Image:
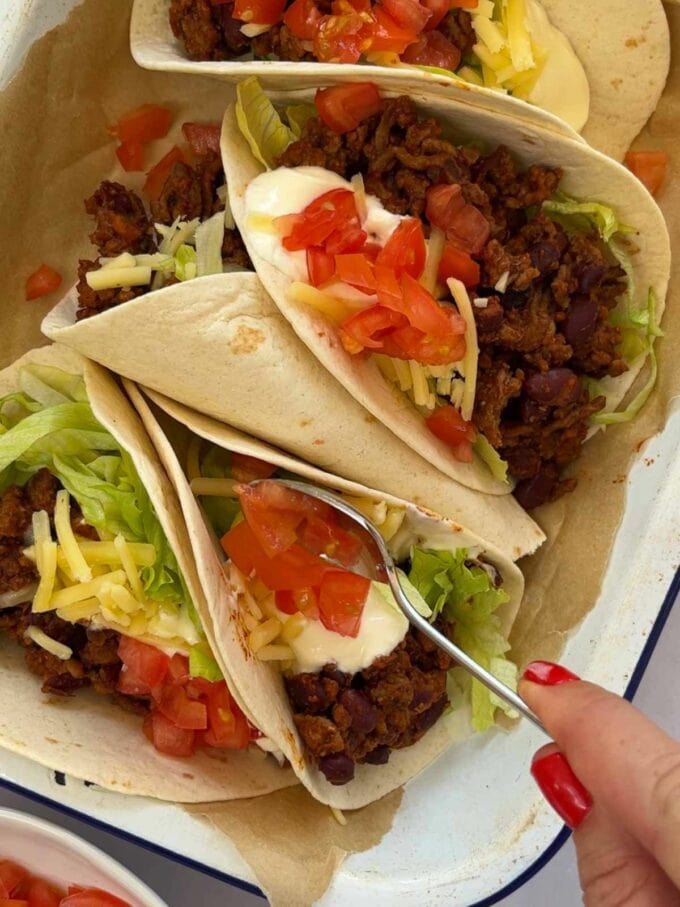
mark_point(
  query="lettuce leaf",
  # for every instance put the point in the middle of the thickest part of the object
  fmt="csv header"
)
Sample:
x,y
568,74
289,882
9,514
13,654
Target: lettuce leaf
x,y
260,124
209,237
464,594
221,512
67,439
297,116
203,664
584,216
497,465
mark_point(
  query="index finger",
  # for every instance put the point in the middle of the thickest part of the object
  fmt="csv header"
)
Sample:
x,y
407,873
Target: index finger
x,y
627,763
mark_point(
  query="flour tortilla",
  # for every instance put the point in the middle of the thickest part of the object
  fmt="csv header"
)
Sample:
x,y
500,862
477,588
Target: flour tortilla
x,y
219,345
624,48
259,685
588,175
88,736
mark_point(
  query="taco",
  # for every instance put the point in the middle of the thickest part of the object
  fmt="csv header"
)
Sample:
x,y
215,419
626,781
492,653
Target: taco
x,y
557,62
355,699
487,290
100,599
137,308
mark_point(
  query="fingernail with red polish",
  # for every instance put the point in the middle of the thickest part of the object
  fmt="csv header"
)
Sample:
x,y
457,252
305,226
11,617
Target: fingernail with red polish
x,y
547,673
561,788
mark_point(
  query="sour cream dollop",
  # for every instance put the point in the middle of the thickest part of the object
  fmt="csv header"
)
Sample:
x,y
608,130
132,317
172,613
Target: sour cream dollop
x,y
383,627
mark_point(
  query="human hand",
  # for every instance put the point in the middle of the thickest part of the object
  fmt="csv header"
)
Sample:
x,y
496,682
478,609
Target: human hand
x,y
614,777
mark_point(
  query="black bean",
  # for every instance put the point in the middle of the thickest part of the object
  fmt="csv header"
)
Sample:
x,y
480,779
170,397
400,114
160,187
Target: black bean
x,y
425,720
556,386
545,256
338,768
589,275
331,670
535,491
379,756
363,714
307,692
422,696
581,320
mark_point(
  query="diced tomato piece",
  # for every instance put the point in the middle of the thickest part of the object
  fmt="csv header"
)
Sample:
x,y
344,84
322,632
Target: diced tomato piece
x,y
349,238
227,725
366,329
130,685
156,177
184,712
442,203
343,38
405,249
293,569
456,263
274,513
649,167
334,210
438,9
446,208
258,12
42,894
43,281
447,424
11,876
426,314
93,897
285,601
305,600
388,289
246,469
409,14
167,737
146,664
343,107
388,36
303,18
320,266
142,125
323,537
178,669
131,156
356,270
12,902
433,49
341,601
410,343
202,137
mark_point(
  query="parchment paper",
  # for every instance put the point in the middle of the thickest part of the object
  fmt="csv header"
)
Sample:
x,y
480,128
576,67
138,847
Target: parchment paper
x,y
53,118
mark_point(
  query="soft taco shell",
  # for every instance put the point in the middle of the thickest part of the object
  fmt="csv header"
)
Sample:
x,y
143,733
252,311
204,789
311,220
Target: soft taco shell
x,y
588,175
88,736
261,687
219,345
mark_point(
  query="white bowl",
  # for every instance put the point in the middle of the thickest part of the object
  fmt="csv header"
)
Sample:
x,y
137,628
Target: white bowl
x,y
64,858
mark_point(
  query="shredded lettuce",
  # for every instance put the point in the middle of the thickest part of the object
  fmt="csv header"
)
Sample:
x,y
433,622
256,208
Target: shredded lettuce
x,y
209,237
185,263
497,465
66,438
297,115
465,595
259,122
202,663
221,512
583,216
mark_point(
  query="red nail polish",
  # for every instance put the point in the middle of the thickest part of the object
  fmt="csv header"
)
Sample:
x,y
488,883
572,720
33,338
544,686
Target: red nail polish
x,y
561,788
547,674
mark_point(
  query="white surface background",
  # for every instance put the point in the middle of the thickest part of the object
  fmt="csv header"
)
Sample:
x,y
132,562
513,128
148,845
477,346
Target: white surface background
x,y
556,884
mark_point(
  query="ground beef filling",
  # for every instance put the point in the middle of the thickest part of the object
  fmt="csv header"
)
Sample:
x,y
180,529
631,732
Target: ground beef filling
x,y
346,719
541,337
95,661
207,31
122,224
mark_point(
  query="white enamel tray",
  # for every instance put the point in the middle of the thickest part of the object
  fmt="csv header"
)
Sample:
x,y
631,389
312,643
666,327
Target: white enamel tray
x,y
473,828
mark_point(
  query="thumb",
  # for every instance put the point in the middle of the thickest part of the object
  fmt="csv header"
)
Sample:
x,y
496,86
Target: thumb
x,y
629,765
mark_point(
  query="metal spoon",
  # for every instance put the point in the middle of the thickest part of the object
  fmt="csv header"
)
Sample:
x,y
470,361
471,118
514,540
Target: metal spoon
x,y
388,569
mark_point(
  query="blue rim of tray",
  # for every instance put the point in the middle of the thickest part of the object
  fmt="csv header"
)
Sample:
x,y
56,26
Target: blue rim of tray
x,y
488,901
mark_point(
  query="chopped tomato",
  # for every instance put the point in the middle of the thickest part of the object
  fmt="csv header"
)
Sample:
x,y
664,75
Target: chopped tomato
x,y
447,424
341,601
11,876
409,14
446,208
142,125
426,314
356,270
303,18
405,249
11,902
178,669
184,713
156,177
649,167
442,203
41,282
146,664
333,212
456,263
167,737
130,685
321,536
438,9
93,897
247,469
202,137
343,107
433,49
285,601
305,600
41,894
293,569
366,329
388,36
228,727
274,513
131,156
258,12
320,266
342,39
